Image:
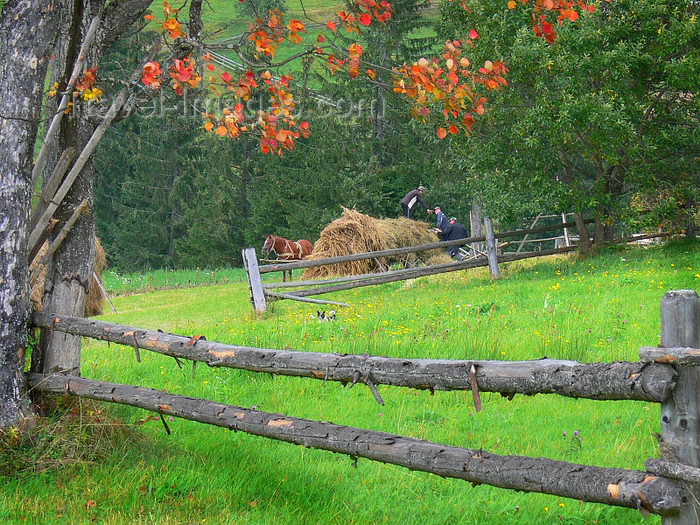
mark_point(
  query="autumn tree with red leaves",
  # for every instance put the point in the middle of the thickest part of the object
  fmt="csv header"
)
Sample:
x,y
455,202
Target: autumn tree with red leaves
x,y
447,91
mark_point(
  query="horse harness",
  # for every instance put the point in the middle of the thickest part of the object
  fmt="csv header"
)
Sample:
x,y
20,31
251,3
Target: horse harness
x,y
287,248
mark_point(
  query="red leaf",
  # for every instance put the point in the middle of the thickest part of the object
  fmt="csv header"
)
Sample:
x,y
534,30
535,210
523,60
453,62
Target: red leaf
x,y
366,19
332,26
226,77
473,34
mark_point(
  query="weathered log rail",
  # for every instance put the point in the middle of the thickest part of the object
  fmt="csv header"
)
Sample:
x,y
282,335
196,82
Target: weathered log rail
x,y
612,486
408,249
669,375
260,292
651,382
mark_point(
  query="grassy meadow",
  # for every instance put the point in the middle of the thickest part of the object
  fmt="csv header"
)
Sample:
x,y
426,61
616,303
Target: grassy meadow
x,y
127,469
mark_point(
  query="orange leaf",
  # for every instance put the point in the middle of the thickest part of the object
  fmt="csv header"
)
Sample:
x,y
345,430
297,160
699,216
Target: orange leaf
x,y
512,4
454,129
221,131
209,125
332,26
149,17
441,133
473,34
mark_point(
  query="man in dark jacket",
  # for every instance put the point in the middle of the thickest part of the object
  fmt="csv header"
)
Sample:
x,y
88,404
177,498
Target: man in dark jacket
x,y
442,222
454,231
410,202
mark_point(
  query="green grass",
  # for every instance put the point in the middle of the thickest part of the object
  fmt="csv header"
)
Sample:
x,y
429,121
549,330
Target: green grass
x,y
597,309
122,284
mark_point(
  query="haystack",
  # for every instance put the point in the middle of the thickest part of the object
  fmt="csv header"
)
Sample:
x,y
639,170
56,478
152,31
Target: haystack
x,y
95,300
407,232
355,232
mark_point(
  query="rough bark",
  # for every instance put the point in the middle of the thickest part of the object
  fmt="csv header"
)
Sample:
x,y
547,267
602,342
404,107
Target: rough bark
x,y
583,235
26,37
69,275
620,380
476,223
680,414
691,226
673,470
612,486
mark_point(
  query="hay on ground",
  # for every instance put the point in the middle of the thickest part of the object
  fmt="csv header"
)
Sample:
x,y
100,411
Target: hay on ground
x,y
355,232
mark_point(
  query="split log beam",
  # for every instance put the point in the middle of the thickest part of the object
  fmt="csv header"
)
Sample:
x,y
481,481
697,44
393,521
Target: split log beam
x,y
491,249
413,273
56,243
603,381
408,249
52,185
89,148
65,99
541,229
673,470
277,295
255,287
612,486
312,263
405,250
34,250
674,356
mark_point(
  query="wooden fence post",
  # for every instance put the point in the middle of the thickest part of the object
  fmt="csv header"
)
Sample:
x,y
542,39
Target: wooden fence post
x,y
491,249
680,415
257,294
567,240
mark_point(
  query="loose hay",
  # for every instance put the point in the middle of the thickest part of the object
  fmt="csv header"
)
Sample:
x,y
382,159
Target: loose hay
x,y
95,301
407,232
355,232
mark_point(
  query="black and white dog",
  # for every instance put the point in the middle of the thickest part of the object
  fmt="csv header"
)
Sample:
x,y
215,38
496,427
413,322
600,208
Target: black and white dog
x,y
323,316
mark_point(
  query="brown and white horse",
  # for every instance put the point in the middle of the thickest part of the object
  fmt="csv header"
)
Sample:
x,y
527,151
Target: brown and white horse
x,y
287,250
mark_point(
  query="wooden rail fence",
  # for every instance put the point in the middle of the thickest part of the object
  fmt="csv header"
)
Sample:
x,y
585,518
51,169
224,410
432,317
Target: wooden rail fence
x,y
668,375
260,292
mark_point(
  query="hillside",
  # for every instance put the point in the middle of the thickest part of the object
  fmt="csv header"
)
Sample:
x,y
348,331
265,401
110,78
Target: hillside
x,y
597,309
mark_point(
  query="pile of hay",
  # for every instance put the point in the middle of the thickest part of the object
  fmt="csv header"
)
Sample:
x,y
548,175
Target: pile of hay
x,y
355,232
407,232
94,304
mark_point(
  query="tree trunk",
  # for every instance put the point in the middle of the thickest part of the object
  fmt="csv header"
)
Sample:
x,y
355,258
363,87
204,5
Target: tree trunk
x,y
27,32
691,227
584,238
69,274
476,224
